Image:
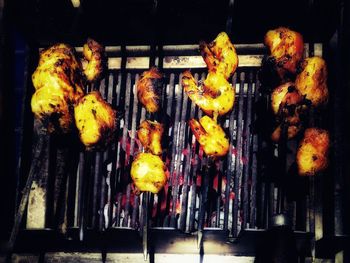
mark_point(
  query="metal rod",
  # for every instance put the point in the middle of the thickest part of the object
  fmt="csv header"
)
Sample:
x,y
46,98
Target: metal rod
x,y
203,196
116,178
171,134
270,202
282,155
230,161
135,211
113,90
134,116
253,192
194,165
238,163
96,189
179,139
125,146
229,17
81,195
101,225
218,198
312,216
145,227
119,208
72,188
36,165
247,144
102,88
209,166
187,167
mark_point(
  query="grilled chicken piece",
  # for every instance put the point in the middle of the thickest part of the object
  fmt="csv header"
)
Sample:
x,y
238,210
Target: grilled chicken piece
x,y
95,120
312,155
292,131
312,81
94,60
149,89
283,96
215,97
58,85
220,55
148,172
286,49
150,135
51,106
210,136
287,103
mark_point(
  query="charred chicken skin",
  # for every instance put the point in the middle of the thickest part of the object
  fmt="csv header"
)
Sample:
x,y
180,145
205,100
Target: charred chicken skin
x,y
150,135
95,120
210,136
58,85
292,131
94,60
215,97
220,55
312,155
149,89
148,172
286,105
286,49
312,81
283,96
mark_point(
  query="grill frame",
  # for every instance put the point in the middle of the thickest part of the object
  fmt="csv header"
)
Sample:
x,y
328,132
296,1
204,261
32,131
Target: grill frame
x,y
302,237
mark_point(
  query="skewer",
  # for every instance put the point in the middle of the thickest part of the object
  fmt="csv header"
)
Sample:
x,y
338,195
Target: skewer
x,y
210,164
145,230
147,195
282,150
81,194
36,164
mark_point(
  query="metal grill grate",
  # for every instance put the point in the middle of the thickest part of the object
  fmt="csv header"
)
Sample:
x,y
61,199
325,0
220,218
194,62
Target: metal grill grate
x,y
180,202
93,190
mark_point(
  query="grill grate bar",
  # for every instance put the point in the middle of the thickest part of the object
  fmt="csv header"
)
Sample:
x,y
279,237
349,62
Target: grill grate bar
x,y
246,154
135,113
122,81
206,171
238,163
231,160
194,166
219,194
81,193
177,142
96,188
170,97
125,146
134,119
111,160
253,192
102,201
115,174
100,158
185,155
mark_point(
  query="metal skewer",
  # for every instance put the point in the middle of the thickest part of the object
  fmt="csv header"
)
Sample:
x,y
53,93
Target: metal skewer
x,y
145,227
203,204
37,161
282,152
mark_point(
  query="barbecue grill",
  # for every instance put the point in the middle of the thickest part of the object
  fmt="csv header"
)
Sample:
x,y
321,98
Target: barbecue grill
x,y
84,201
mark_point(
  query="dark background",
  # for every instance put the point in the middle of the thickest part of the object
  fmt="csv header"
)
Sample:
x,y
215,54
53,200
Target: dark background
x,y
182,21
33,23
